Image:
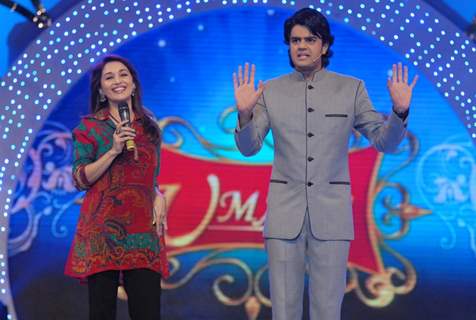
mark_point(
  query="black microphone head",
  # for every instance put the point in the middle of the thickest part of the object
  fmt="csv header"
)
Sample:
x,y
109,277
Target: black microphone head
x,y
123,108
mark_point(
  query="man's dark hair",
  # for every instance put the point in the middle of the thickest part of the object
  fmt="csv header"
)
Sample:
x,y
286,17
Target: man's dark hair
x,y
317,24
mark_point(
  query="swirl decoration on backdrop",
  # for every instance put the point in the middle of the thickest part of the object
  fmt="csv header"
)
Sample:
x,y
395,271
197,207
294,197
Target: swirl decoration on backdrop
x,y
450,190
46,187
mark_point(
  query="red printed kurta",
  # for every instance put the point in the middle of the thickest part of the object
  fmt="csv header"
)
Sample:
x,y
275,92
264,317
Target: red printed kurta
x,y
115,229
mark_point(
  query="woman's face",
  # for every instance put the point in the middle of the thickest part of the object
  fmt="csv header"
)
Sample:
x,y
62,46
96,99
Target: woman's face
x,y
116,82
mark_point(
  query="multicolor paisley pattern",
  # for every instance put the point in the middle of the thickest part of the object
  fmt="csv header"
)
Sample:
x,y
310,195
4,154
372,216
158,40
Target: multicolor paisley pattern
x,y
115,229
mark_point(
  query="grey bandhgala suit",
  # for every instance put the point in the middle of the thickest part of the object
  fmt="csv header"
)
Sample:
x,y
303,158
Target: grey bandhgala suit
x,y
309,193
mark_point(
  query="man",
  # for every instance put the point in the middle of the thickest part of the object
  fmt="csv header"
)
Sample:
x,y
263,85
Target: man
x,y
311,113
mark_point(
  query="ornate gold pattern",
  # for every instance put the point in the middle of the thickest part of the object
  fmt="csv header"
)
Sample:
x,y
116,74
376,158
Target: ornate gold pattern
x,y
212,148
378,290
252,297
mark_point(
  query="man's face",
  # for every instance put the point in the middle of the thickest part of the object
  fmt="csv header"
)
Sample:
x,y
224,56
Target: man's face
x,y
306,49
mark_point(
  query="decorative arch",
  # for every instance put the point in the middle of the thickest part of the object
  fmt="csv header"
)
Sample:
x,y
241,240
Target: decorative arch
x,y
60,56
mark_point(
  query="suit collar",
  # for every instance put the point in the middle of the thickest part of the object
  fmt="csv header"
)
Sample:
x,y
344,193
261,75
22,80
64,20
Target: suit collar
x,y
317,76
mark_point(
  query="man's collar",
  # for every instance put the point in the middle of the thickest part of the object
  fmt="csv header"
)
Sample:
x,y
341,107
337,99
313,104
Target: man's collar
x,y
316,76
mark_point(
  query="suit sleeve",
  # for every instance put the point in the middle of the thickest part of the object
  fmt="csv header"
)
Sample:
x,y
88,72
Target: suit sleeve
x,y
384,135
249,139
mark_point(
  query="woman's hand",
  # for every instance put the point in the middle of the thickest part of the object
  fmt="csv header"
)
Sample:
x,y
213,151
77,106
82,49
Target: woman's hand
x,y
120,136
96,169
160,213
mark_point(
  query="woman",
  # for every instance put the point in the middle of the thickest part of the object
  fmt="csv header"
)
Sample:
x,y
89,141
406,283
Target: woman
x,y
123,216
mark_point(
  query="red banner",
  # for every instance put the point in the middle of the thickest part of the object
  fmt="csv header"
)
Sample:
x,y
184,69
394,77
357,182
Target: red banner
x,y
222,203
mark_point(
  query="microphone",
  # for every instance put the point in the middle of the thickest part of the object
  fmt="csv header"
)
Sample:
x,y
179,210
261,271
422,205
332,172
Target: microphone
x,y
123,108
317,58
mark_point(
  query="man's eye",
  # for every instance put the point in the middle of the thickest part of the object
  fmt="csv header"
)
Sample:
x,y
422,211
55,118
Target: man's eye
x,y
295,41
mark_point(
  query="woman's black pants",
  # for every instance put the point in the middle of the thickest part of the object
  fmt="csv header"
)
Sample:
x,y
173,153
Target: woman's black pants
x,y
143,292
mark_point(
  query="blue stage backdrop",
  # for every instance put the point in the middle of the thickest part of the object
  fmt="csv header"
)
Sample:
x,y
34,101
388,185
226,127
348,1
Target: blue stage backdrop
x,y
415,256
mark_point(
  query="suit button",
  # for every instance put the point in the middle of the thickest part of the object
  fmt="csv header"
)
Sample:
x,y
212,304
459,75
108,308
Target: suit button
x,y
310,87
310,109
309,184
310,134
310,159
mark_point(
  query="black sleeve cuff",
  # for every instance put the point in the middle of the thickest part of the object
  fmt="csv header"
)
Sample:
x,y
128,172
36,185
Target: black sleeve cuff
x,y
402,115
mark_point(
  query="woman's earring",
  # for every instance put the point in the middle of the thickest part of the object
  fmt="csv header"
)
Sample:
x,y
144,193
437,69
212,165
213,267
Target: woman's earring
x,y
102,97
133,92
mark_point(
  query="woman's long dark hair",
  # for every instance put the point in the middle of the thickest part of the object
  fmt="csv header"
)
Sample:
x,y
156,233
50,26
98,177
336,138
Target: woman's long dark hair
x,y
150,126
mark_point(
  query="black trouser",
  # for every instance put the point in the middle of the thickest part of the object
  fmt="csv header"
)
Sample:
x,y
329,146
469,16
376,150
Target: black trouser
x,y
143,292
